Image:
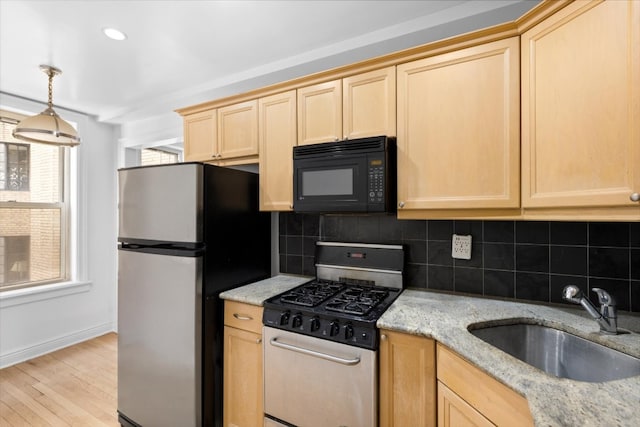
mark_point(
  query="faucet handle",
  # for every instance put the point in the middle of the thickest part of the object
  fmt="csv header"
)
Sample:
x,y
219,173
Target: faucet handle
x,y
603,297
572,293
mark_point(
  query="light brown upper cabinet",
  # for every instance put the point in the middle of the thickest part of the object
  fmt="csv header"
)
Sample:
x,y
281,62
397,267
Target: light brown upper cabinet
x,y
200,136
223,136
320,113
581,107
238,130
277,137
369,104
354,107
458,130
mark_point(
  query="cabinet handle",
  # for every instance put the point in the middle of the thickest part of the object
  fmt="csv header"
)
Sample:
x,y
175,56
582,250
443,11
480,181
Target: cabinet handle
x,y
242,316
401,205
259,341
635,197
383,337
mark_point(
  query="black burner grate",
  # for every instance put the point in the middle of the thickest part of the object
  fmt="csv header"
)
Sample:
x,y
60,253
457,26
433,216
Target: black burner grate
x,y
312,293
356,300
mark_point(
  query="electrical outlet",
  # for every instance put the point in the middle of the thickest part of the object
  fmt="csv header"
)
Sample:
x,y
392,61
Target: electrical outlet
x,y
461,247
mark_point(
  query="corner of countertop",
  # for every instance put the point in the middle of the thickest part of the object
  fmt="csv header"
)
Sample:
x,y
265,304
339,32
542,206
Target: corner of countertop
x,y
257,293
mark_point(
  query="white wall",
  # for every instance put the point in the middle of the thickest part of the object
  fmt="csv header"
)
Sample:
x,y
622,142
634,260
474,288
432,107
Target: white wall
x,y
36,321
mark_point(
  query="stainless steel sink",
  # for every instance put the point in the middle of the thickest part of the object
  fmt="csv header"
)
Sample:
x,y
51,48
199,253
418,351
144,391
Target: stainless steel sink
x,y
559,353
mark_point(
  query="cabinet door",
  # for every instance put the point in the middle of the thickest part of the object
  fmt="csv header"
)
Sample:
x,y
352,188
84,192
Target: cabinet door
x,y
200,137
242,378
455,412
458,133
495,401
407,380
320,113
238,130
581,106
369,104
277,136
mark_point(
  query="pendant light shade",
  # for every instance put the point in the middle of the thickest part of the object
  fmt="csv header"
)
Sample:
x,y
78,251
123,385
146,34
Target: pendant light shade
x,y
47,127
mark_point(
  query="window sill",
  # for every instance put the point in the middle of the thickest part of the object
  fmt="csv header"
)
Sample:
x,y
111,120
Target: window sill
x,y
41,293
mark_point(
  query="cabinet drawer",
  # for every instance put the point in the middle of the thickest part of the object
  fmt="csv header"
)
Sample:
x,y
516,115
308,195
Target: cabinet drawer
x,y
243,316
500,404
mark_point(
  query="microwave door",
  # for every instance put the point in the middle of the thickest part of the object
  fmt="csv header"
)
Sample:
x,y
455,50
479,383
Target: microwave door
x,y
331,185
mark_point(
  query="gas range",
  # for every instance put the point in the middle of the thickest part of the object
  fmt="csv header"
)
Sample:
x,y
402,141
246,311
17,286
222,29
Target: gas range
x,y
355,284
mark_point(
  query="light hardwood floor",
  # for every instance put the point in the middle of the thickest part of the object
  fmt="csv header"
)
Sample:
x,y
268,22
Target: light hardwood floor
x,y
75,386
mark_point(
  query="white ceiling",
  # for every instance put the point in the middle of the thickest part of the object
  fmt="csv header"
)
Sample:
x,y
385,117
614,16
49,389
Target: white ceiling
x,y
179,53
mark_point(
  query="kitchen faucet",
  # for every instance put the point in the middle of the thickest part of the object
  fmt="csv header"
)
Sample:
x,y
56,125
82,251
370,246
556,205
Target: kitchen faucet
x,y
606,318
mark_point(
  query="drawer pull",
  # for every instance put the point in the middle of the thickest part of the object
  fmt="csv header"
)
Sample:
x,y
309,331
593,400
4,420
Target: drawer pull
x,y
242,316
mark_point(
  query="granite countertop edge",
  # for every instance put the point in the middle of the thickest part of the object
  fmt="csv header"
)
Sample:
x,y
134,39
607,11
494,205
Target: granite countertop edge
x,y
258,292
553,401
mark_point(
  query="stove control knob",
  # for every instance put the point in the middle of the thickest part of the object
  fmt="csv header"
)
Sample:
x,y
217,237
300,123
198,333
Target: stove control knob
x,y
284,317
334,328
314,324
297,320
348,331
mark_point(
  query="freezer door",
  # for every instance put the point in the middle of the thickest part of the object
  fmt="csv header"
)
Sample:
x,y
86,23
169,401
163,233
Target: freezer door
x,y
159,344
161,203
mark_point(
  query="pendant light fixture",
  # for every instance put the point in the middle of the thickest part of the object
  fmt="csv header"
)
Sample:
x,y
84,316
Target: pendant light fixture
x,y
47,127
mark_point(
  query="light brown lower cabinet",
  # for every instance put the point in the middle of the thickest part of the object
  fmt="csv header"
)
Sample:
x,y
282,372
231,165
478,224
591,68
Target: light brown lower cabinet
x,y
407,380
453,411
469,397
243,402
424,384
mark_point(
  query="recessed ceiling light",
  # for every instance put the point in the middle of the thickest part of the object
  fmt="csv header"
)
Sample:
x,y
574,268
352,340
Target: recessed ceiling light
x,y
114,34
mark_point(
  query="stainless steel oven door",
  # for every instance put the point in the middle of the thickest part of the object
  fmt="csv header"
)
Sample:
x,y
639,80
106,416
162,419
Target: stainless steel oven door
x,y
313,382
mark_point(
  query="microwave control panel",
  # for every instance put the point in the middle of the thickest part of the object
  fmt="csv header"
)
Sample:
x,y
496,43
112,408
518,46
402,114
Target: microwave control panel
x,y
376,180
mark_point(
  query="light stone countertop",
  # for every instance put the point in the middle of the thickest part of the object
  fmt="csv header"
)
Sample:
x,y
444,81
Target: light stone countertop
x,y
552,401
256,293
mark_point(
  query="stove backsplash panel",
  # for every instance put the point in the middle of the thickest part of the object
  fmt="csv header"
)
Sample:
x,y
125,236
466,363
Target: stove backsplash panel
x,y
520,260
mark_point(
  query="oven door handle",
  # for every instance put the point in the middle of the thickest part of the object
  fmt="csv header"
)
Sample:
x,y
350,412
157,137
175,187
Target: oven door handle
x,y
274,342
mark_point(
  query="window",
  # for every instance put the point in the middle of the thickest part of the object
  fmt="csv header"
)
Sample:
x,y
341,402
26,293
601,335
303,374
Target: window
x,y
14,166
155,156
33,210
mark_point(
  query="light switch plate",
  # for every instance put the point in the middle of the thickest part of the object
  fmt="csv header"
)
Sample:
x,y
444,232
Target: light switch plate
x,y
461,247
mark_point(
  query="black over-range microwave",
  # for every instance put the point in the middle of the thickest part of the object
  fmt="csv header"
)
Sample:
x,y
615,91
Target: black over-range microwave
x,y
355,175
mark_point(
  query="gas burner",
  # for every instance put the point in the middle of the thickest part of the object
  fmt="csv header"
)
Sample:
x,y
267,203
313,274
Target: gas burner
x,y
312,293
356,300
361,294
350,307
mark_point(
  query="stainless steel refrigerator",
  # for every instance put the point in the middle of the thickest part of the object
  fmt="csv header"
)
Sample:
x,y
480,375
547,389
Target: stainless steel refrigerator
x,y
187,232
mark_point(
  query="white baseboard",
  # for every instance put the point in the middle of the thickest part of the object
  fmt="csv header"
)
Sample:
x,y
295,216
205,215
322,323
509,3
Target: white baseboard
x,y
34,351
